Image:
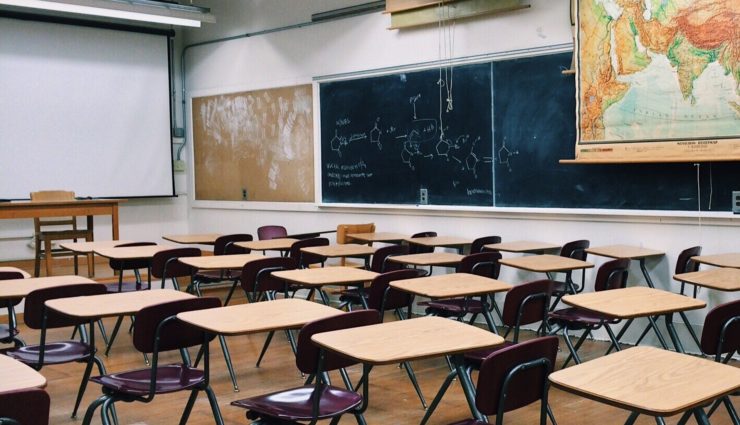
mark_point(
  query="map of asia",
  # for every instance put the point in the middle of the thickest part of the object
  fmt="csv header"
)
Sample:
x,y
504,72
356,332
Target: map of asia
x,y
658,80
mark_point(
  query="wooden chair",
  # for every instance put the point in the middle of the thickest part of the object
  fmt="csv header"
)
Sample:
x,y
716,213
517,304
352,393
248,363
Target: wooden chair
x,y
64,228
347,229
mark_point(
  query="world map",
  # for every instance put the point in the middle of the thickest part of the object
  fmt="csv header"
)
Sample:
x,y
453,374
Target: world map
x,y
652,71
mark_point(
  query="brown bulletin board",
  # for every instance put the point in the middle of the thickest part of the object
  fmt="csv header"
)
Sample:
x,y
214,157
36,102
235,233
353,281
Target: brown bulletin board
x,y
255,145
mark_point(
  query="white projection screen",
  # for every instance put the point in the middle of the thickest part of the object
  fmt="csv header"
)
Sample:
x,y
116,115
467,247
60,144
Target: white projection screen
x,y
84,109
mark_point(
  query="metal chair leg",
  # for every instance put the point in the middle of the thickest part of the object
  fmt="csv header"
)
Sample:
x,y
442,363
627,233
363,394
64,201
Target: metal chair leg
x,y
264,348
415,383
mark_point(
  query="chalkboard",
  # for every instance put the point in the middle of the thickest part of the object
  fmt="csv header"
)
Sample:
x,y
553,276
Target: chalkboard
x,y
514,120
534,121
386,139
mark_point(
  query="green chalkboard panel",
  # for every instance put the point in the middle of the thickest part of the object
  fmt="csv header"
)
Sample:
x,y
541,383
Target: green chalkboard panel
x,y
385,139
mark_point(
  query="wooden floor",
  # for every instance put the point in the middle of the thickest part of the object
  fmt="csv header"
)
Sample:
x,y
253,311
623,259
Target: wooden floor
x,y
392,399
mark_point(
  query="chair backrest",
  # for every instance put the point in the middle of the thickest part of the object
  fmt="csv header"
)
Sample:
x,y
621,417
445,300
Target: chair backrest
x,y
134,264
575,249
382,297
165,264
256,275
721,333
612,275
684,264
526,303
303,260
421,249
504,384
271,232
173,334
307,353
380,263
479,243
50,196
225,244
26,407
33,311
345,229
7,276
482,263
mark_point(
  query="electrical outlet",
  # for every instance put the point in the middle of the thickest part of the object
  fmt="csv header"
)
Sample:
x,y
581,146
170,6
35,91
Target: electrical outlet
x,y
179,165
423,196
736,201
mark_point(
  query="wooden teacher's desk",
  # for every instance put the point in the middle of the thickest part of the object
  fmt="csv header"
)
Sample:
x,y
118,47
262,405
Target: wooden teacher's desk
x,y
630,252
648,380
18,376
267,316
88,208
413,339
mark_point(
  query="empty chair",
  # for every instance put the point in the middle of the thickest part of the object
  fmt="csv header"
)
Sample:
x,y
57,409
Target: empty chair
x,y
483,264
135,264
312,402
345,229
479,244
64,228
721,336
577,251
271,232
684,264
305,260
9,332
514,377
378,264
611,275
37,316
224,245
24,407
157,330
421,249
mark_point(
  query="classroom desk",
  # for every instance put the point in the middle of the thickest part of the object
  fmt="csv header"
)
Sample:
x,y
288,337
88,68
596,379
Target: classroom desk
x,y
18,376
412,339
131,252
310,234
194,239
342,251
267,316
88,208
455,285
648,380
279,244
19,288
523,247
721,279
546,263
720,260
111,305
444,259
630,252
637,301
442,242
220,262
319,277
88,248
15,270
385,237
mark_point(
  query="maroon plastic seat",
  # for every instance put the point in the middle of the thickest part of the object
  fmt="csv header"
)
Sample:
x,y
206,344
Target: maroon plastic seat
x,y
483,264
320,400
577,251
224,245
421,249
157,330
25,407
611,275
514,377
135,265
721,337
479,244
9,332
165,265
684,264
37,316
304,260
378,264
271,232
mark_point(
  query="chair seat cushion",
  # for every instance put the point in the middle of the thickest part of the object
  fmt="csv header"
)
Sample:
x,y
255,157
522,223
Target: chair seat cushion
x,y
170,378
475,358
574,317
112,288
454,307
296,404
55,352
469,422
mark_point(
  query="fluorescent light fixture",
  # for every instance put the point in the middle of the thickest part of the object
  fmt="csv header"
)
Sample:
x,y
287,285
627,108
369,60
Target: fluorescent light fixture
x,y
147,11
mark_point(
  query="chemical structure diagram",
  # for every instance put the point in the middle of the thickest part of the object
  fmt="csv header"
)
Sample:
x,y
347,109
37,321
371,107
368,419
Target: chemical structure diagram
x,y
422,139
505,154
